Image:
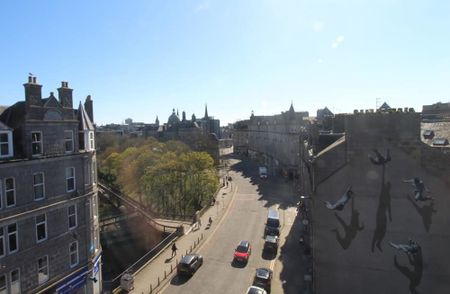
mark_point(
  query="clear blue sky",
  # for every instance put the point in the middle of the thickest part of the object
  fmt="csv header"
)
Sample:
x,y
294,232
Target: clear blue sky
x,y
142,58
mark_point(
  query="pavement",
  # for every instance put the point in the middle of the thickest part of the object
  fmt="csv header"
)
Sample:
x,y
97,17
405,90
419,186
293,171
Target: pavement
x,y
159,270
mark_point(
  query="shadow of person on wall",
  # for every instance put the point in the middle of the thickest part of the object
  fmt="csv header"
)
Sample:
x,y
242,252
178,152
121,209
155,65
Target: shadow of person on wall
x,y
414,275
350,230
426,212
384,207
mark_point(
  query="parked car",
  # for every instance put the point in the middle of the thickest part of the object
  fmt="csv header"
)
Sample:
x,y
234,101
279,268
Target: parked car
x,y
189,264
256,290
272,223
242,252
263,172
263,278
271,243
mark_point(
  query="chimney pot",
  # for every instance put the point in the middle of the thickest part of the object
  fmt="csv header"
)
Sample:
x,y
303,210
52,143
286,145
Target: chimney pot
x,y
34,80
30,79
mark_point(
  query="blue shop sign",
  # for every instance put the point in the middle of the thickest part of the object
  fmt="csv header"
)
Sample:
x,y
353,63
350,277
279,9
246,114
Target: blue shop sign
x,y
72,284
96,267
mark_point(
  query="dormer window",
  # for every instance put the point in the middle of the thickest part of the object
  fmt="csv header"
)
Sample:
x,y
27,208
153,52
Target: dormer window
x,y
36,143
91,141
6,147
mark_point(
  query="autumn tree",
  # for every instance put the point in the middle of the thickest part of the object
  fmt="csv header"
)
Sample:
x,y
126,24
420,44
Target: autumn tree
x,y
165,177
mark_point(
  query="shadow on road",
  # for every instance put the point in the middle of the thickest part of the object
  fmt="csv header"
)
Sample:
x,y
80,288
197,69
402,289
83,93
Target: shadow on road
x,y
266,188
277,190
268,254
350,230
295,263
415,274
178,280
237,264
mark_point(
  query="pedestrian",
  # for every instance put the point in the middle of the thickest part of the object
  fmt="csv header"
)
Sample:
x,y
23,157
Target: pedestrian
x,y
174,249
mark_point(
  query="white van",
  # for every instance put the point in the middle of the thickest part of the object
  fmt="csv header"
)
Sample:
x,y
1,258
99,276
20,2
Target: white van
x,y
263,172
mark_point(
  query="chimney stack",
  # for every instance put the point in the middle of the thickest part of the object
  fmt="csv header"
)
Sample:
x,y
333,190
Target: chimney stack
x,y
89,107
33,93
65,95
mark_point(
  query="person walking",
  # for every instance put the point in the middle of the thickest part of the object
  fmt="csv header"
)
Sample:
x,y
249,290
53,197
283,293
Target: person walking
x,y
174,249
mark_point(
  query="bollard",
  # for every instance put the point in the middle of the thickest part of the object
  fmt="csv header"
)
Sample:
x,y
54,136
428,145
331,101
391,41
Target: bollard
x,y
151,288
170,268
198,239
165,274
190,248
159,282
186,252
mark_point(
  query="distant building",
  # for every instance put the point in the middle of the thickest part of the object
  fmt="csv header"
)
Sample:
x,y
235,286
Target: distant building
x,y
384,107
49,232
199,134
324,113
436,111
276,140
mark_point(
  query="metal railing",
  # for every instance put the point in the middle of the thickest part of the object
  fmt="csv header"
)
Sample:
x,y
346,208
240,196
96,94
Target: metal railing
x,y
138,207
110,285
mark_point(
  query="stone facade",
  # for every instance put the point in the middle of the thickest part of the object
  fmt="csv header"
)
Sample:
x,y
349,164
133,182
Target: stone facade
x,y
199,134
49,234
276,141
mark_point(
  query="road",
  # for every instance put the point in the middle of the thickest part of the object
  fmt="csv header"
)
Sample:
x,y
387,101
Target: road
x,y
244,220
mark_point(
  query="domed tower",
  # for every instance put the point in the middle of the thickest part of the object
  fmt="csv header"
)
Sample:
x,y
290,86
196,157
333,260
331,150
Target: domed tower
x,y
173,120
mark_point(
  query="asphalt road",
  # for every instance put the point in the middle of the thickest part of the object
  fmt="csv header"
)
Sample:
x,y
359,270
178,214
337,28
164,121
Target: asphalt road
x,y
244,220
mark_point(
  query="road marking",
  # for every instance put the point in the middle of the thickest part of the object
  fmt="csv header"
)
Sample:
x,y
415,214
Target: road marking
x,y
221,220
272,263
210,236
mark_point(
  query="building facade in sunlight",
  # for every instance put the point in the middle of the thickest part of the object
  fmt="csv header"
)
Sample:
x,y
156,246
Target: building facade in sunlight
x,y
49,233
276,140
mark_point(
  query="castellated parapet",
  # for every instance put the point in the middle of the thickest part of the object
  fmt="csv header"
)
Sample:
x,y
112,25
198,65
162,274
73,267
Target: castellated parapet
x,y
378,129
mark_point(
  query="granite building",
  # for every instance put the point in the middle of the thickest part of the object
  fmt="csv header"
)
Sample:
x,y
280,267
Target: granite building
x,y
49,233
199,134
276,140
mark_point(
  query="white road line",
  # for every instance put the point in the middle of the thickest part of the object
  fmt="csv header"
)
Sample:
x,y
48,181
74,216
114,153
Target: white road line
x,y
210,236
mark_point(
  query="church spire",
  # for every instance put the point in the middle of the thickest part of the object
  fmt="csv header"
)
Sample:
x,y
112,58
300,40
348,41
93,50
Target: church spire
x,y
206,110
291,109
157,121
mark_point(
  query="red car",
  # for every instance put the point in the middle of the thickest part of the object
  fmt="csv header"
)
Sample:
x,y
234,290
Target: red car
x,y
243,251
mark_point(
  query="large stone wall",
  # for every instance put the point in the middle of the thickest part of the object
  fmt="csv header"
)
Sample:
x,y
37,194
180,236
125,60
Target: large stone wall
x,y
330,160
377,129
275,140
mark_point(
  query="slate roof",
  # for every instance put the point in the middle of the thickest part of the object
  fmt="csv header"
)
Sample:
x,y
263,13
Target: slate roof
x,y
4,127
85,122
